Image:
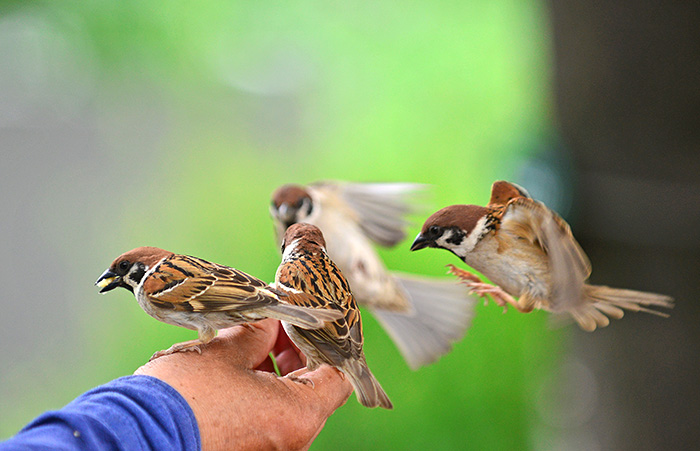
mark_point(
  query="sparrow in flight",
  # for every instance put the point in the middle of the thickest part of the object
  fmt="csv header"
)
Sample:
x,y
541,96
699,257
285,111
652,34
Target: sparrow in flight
x,y
529,253
310,279
199,295
422,315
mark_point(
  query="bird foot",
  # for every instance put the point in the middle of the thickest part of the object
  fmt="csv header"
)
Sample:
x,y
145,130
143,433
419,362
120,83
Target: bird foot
x,y
500,297
462,274
179,347
483,290
301,380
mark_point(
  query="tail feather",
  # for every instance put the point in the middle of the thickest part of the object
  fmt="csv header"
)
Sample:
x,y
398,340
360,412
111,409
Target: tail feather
x,y
442,311
367,388
601,301
304,317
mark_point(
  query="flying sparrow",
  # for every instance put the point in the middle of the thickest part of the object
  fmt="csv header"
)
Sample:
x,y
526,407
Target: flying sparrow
x,y
422,315
310,279
194,293
528,252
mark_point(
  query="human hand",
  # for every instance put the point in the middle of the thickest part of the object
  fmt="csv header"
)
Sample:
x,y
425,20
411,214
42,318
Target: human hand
x,y
238,400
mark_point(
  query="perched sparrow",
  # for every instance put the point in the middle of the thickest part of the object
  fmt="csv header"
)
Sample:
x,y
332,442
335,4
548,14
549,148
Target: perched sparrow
x,y
199,295
310,279
422,315
528,251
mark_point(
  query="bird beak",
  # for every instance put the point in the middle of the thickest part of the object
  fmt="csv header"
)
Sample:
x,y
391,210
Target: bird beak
x,y
420,242
286,214
108,281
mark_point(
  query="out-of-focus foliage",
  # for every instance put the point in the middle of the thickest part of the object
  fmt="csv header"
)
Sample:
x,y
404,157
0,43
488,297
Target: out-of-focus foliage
x,y
184,116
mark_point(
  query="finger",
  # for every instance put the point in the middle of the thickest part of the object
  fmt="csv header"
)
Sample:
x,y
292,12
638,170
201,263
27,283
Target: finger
x,y
283,341
288,357
288,360
267,365
252,342
328,384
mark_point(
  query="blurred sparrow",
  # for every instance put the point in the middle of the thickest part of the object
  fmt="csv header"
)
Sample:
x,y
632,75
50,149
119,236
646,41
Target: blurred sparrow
x,y
528,251
310,279
194,293
422,315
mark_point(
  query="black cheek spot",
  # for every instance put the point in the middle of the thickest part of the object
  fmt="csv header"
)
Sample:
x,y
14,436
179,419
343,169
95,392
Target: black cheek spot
x,y
457,236
137,275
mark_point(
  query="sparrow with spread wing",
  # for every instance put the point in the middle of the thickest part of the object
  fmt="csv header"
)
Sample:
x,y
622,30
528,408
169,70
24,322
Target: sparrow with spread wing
x,y
528,252
422,315
309,278
199,295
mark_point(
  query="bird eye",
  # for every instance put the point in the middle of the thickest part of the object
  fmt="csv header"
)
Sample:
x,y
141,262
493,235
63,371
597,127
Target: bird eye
x,y
124,265
434,230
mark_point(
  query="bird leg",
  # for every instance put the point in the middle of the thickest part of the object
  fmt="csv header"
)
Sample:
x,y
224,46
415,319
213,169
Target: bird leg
x,y
499,296
205,336
463,274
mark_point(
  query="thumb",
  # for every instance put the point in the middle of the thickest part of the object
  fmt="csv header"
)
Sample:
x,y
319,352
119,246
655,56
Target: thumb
x,y
328,384
252,342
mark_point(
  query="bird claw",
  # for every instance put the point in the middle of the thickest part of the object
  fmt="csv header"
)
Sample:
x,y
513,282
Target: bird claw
x,y
301,380
158,354
484,290
460,273
180,347
481,289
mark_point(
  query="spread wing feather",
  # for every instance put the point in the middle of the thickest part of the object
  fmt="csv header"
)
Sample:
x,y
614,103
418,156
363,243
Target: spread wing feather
x,y
570,267
380,208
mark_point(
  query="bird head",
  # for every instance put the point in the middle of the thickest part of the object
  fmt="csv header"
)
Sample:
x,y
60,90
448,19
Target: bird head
x,y
291,204
128,269
456,228
303,236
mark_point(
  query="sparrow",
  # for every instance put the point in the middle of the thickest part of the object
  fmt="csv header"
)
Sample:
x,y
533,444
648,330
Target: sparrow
x,y
310,279
529,253
422,315
196,294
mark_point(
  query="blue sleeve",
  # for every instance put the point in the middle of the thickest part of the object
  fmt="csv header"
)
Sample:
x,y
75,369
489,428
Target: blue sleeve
x,y
129,413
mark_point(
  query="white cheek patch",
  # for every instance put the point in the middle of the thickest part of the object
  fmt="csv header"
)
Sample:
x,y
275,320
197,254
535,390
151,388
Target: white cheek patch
x,y
469,243
443,241
289,249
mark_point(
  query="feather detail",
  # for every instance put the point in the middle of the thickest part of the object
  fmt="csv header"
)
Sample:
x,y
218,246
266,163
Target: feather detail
x,y
379,208
441,311
310,279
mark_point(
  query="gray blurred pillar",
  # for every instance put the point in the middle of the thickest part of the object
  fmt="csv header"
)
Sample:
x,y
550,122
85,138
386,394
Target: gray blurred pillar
x,y
627,80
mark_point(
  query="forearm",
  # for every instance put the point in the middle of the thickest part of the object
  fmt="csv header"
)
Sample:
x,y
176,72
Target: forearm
x,y
130,413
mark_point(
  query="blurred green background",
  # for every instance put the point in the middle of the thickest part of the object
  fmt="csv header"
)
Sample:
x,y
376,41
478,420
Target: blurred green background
x,y
170,123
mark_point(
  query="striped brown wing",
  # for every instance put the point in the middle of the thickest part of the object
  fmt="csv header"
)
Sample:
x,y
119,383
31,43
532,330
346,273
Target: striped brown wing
x,y
187,283
317,282
570,267
502,192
